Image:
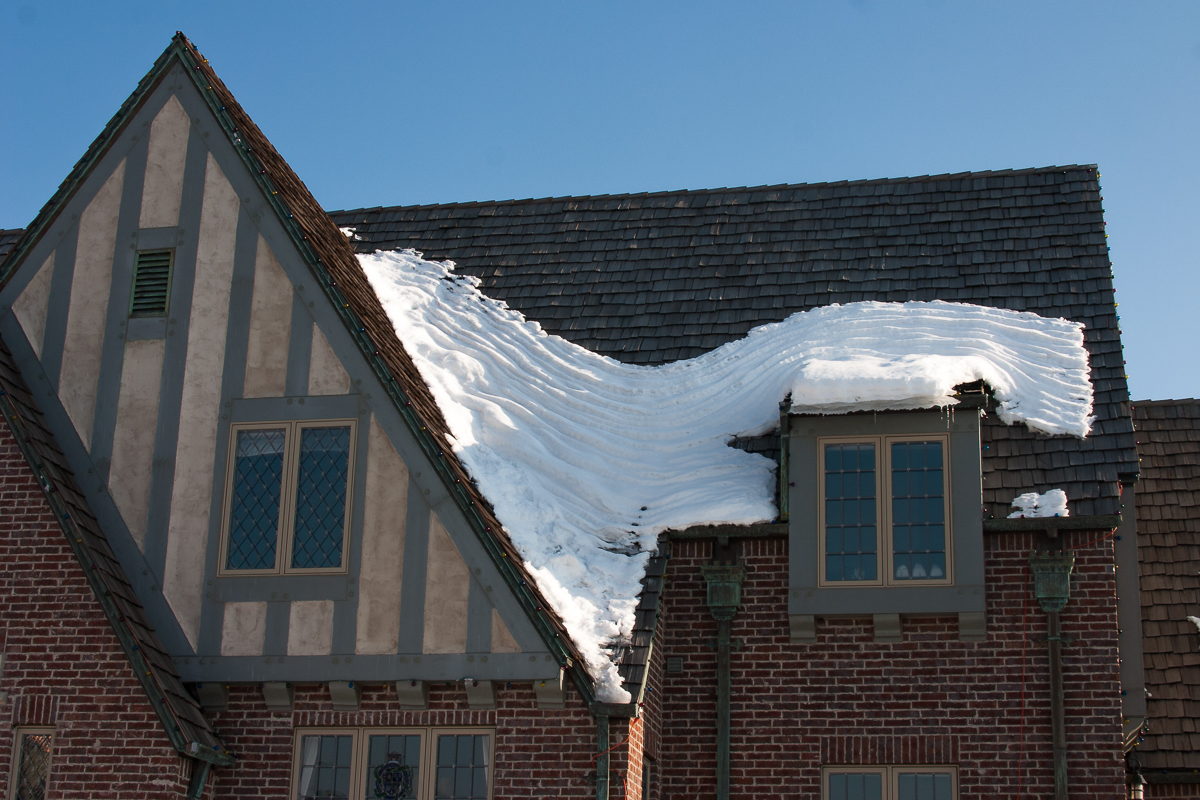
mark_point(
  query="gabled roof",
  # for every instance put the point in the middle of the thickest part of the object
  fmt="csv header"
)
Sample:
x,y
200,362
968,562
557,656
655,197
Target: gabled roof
x,y
337,271
1168,522
649,278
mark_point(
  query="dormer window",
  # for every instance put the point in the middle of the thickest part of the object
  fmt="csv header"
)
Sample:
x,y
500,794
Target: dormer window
x,y
904,540
286,502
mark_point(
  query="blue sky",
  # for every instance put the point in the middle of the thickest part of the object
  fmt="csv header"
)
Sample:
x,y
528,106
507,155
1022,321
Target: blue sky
x,y
395,103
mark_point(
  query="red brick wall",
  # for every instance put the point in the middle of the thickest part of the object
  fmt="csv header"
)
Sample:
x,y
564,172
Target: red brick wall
x,y
63,665
846,699
539,752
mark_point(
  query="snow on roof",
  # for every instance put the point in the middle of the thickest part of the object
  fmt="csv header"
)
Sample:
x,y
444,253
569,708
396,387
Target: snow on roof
x,y
586,460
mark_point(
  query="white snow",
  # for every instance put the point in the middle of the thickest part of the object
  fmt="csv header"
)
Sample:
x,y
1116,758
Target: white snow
x,y
1195,621
586,459
1031,504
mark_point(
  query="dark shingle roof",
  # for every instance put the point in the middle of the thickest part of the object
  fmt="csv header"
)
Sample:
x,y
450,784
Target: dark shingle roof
x,y
649,278
8,240
1168,521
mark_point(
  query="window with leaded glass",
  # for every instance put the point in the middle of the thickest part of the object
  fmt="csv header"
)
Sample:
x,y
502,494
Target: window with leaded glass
x,y
30,775
462,766
889,783
393,764
904,539
287,497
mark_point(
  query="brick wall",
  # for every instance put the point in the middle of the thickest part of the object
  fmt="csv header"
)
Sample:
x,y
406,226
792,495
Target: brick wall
x,y
63,666
846,699
539,752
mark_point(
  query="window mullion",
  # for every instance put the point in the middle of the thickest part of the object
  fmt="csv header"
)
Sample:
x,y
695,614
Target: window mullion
x,y
287,510
885,512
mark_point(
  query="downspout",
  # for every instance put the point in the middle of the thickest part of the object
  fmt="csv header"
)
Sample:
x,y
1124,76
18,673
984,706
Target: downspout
x,y
724,579
602,749
200,770
1052,587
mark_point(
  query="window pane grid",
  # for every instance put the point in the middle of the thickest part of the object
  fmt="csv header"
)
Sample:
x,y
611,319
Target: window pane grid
x,y
393,766
462,767
850,515
33,766
918,511
257,490
889,783
325,767
321,497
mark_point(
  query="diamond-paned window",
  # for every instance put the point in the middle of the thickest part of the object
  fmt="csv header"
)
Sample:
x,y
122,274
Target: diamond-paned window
x,y
257,488
287,498
32,756
321,497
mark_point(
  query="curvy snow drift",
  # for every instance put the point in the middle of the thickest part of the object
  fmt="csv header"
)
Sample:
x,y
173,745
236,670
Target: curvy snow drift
x,y
586,460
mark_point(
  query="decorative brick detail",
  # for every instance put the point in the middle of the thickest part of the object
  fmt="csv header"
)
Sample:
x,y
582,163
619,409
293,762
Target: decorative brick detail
x,y
63,665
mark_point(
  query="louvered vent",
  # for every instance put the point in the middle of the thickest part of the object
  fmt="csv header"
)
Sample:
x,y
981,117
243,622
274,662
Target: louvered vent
x,y
151,283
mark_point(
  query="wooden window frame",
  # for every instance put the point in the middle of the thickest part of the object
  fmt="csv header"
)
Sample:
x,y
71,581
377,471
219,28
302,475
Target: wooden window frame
x,y
287,498
13,765
891,776
361,736
883,508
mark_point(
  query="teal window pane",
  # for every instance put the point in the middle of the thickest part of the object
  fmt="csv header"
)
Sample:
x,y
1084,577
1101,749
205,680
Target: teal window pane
x,y
918,511
850,514
462,767
856,786
325,767
924,786
393,766
33,766
257,486
321,497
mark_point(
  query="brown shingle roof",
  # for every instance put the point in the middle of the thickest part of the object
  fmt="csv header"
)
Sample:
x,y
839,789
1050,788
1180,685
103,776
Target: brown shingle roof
x,y
1168,522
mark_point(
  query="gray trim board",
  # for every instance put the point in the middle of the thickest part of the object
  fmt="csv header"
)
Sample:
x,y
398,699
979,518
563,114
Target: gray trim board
x,y
299,347
112,355
479,617
345,611
170,395
233,376
280,588
54,338
412,579
276,409
275,639
142,328
516,667
156,238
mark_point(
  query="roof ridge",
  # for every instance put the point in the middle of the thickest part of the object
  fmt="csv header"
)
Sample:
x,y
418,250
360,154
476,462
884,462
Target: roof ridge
x,y
719,190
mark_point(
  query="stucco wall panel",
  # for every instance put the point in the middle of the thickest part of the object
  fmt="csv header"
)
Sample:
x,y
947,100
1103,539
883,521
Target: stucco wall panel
x,y
162,188
378,629
310,628
447,592
243,629
133,439
502,640
89,305
270,323
325,372
33,303
191,496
